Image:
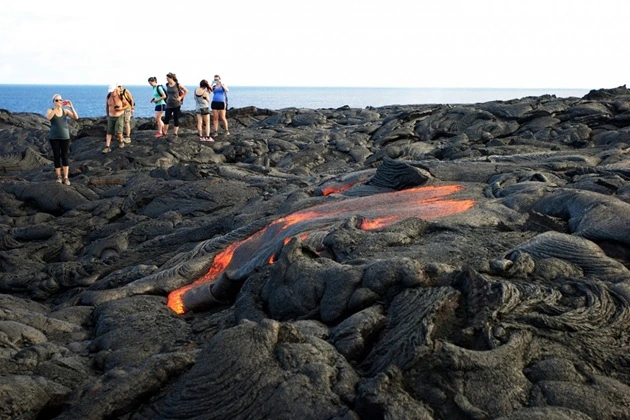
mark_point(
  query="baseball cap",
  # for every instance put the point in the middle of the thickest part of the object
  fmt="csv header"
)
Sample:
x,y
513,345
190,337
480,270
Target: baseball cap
x,y
113,87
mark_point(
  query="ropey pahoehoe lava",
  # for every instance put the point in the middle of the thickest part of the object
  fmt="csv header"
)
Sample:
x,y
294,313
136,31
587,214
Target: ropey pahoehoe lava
x,y
377,211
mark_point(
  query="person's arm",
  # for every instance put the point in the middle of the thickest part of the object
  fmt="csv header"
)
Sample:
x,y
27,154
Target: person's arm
x,y
107,106
50,112
72,113
132,103
225,88
183,89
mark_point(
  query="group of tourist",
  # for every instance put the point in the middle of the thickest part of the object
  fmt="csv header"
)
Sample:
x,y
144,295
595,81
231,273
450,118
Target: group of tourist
x,y
119,108
168,101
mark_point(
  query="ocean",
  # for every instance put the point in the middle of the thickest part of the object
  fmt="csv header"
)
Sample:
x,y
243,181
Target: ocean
x,y
89,100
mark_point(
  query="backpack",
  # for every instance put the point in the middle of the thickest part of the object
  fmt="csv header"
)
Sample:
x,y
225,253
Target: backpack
x,y
125,94
181,92
163,91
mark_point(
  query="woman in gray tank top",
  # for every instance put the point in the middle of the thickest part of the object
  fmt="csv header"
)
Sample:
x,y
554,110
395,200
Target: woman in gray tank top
x,y
176,94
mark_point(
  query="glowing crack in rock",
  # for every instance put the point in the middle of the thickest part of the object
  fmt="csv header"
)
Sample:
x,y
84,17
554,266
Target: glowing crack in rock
x,y
378,210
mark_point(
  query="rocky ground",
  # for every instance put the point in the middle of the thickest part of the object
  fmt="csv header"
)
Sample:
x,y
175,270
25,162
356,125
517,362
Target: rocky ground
x,y
429,262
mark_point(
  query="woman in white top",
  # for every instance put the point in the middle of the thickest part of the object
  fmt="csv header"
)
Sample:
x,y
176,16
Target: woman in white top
x,y
202,109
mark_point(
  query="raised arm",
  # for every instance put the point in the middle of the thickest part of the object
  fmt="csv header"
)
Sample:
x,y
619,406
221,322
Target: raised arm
x,y
72,113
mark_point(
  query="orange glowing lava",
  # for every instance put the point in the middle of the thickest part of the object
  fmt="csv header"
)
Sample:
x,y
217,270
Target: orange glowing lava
x,y
377,210
330,190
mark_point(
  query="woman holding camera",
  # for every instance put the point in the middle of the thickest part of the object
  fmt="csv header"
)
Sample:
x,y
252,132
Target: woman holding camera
x,y
59,135
219,104
202,109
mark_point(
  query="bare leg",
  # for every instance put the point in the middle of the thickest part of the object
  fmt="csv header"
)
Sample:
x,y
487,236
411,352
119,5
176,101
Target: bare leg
x,y
199,124
215,120
207,122
224,119
158,120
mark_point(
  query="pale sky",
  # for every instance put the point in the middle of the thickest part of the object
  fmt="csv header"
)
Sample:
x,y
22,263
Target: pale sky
x,y
362,43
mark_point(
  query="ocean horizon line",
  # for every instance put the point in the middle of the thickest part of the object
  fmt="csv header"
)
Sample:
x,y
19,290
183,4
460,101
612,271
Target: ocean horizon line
x,y
324,87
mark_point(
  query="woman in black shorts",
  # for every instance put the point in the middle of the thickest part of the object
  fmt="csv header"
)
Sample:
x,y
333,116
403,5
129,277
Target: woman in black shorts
x,y
219,104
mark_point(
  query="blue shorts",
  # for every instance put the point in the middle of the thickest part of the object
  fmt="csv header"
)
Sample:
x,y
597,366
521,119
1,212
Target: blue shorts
x,y
160,107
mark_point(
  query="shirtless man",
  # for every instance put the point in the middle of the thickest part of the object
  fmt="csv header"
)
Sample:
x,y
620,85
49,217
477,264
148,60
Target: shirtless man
x,y
115,110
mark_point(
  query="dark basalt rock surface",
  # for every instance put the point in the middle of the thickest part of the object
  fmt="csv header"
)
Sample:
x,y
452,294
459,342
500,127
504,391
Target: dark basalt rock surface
x,y
516,308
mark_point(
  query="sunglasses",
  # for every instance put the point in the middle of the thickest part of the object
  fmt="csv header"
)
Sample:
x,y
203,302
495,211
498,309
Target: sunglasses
x,y
58,100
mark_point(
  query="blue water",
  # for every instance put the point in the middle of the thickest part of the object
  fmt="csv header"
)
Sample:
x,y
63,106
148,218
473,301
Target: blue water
x,y
89,100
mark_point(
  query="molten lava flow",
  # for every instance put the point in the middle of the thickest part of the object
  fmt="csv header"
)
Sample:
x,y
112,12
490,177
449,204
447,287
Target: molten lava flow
x,y
369,224
337,186
331,190
220,262
378,210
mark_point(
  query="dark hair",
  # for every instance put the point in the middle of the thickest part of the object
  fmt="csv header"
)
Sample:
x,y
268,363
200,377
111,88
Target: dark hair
x,y
152,79
204,84
172,76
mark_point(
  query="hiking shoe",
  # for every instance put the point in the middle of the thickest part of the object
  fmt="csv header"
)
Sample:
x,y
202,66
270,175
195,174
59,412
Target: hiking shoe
x,y
122,144
209,139
158,134
227,133
58,180
127,140
66,181
106,150
202,138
